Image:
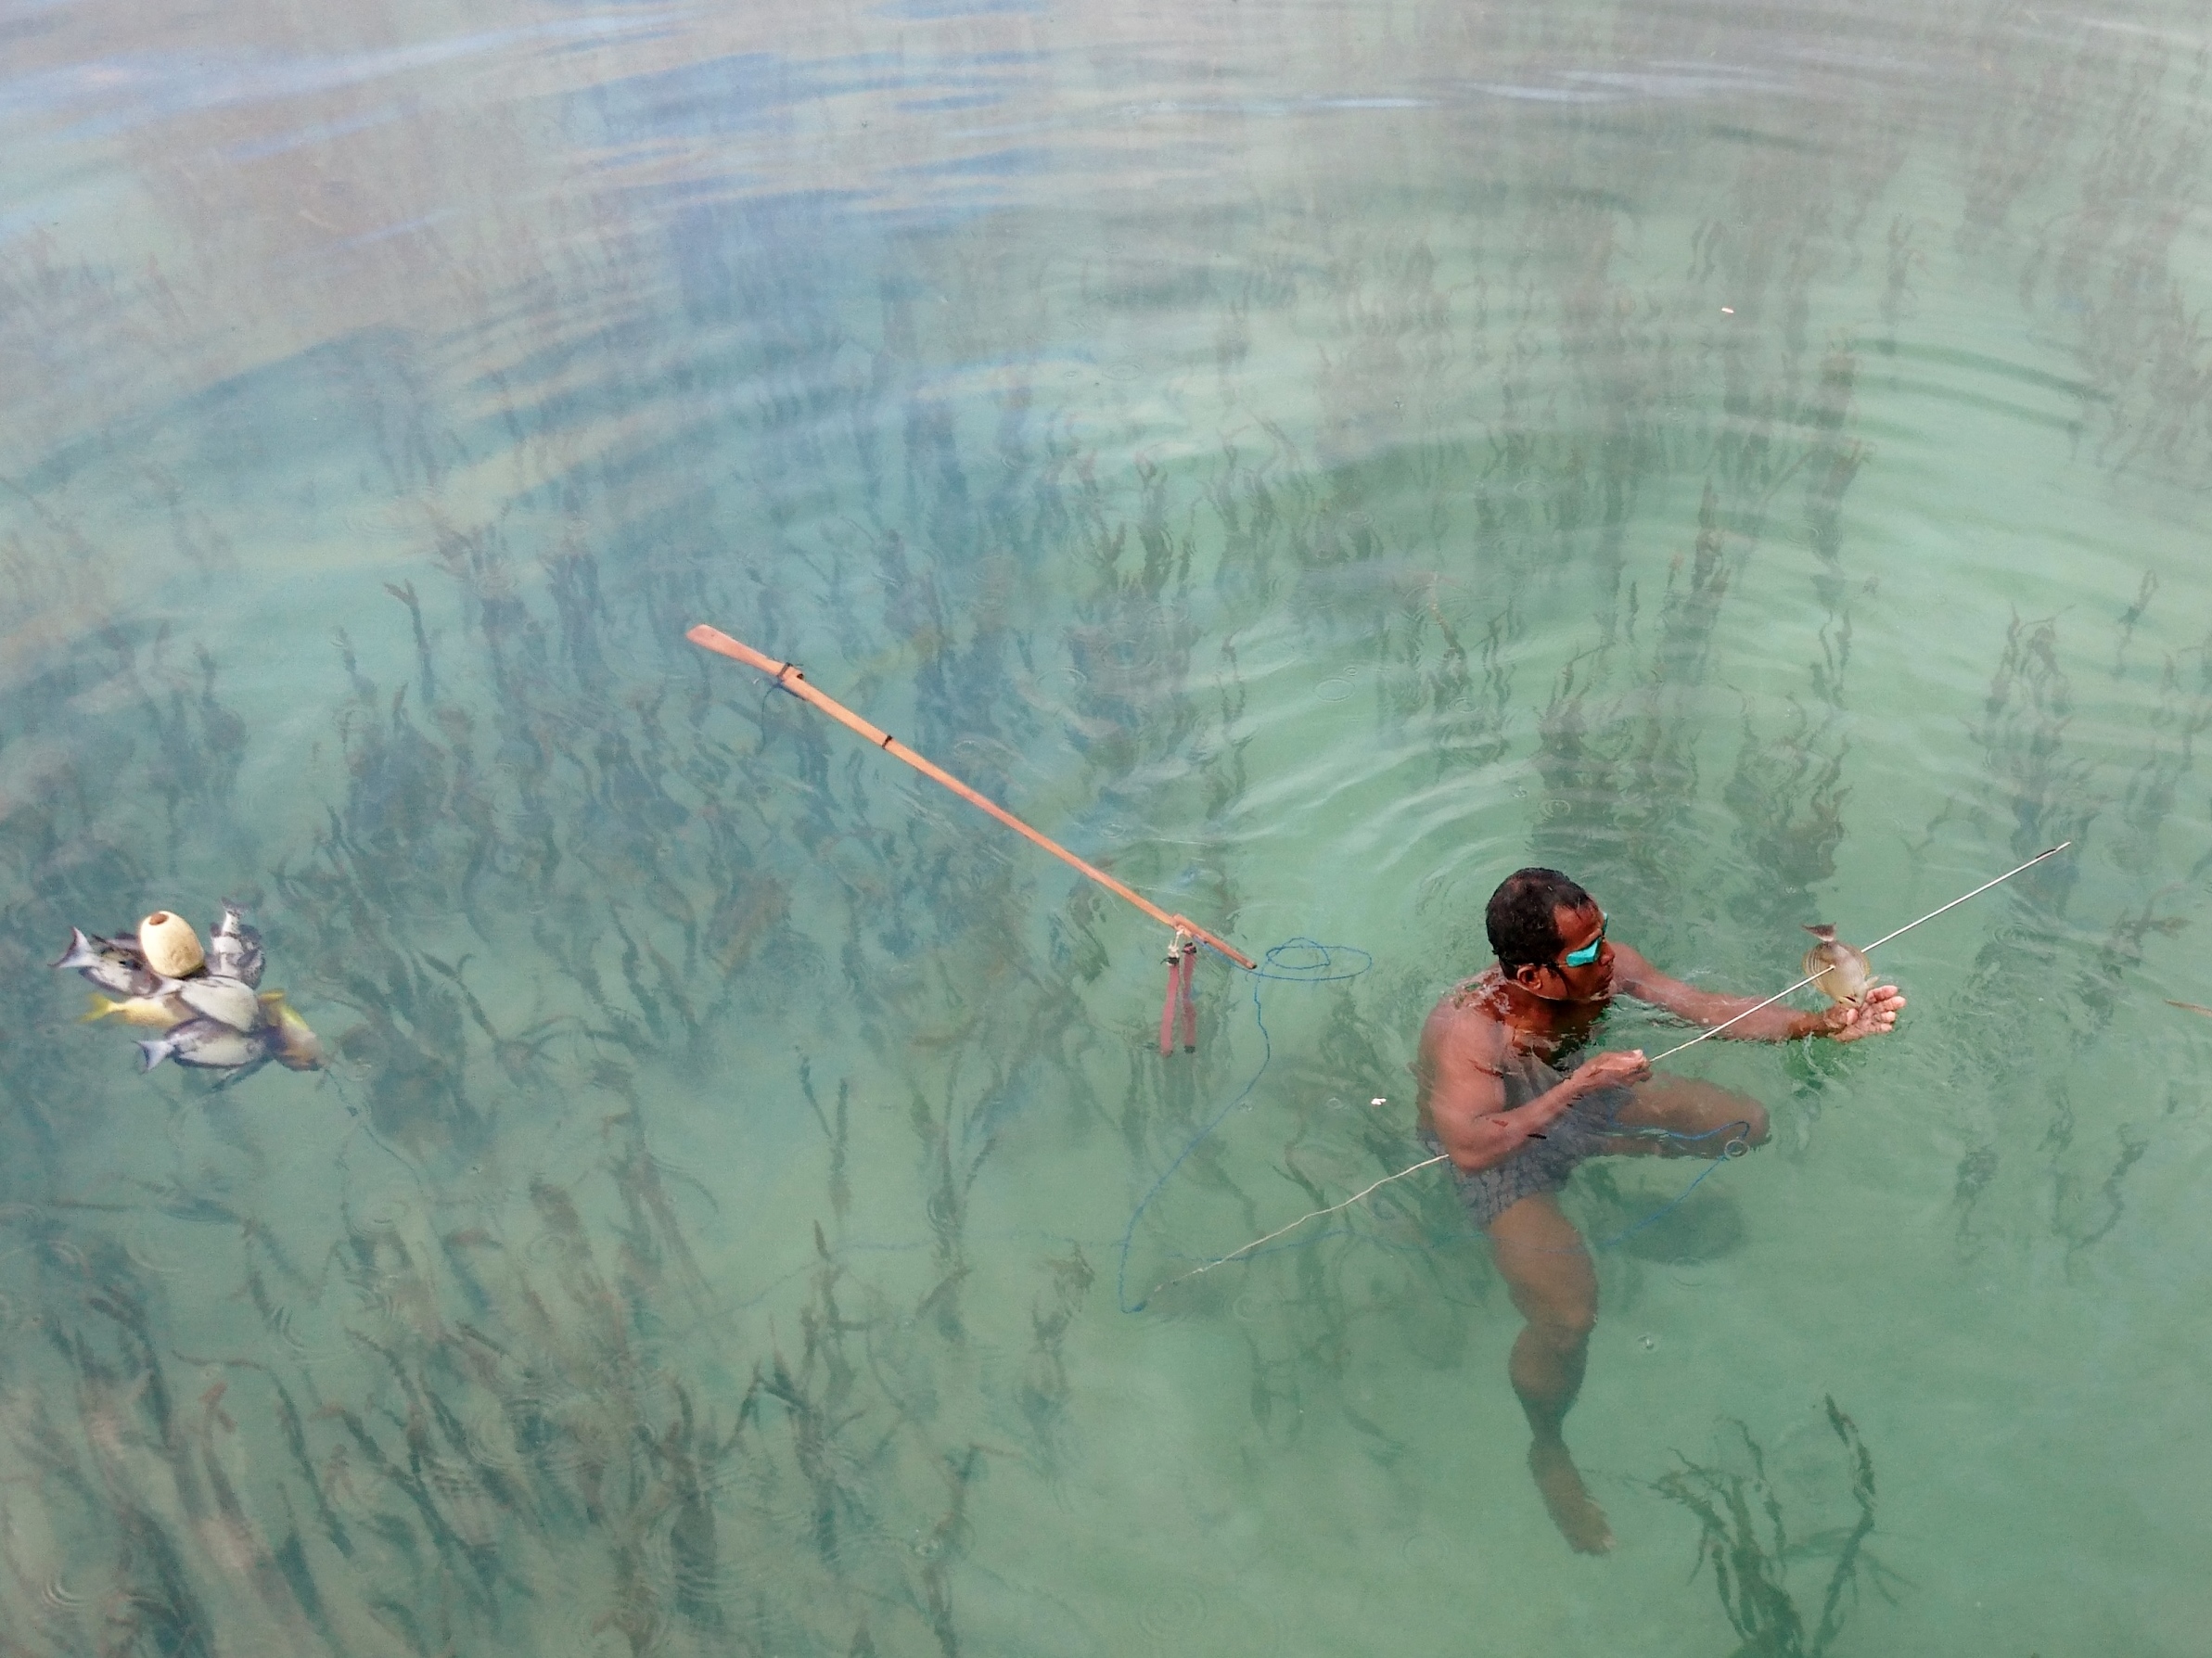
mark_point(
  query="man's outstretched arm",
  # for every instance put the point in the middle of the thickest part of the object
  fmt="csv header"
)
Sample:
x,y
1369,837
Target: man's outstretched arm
x,y
1877,1012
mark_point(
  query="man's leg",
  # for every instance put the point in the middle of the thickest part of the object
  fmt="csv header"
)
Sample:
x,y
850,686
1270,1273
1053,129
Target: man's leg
x,y
1707,1115
1555,1288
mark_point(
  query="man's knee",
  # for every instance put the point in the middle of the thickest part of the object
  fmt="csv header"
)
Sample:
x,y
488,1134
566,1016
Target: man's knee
x,y
1565,1328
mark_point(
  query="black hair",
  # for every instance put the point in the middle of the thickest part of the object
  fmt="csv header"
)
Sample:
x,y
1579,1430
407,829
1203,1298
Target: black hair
x,y
1523,919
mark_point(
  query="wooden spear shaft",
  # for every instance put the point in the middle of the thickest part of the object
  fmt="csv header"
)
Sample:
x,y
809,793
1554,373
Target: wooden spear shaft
x,y
790,676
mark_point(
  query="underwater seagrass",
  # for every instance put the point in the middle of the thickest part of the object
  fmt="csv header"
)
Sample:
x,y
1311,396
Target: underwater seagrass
x,y
1744,1536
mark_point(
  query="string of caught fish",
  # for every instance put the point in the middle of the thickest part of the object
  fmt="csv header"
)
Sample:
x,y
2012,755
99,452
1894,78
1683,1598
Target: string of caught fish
x,y
1835,961
205,1001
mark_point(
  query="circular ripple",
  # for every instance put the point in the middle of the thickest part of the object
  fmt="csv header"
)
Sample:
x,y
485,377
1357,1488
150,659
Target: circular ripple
x,y
1433,593
1424,1551
135,1252
57,1594
280,1325
1174,1616
1435,888
385,1211
64,1252
491,1441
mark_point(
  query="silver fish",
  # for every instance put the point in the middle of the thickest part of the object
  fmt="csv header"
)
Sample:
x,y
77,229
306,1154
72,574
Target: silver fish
x,y
111,964
234,949
215,996
1837,971
206,1045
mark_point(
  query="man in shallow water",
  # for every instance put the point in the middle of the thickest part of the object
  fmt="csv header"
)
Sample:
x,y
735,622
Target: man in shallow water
x,y
1495,1099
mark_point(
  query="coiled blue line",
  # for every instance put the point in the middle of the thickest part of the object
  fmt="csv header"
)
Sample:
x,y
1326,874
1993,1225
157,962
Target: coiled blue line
x,y
1275,965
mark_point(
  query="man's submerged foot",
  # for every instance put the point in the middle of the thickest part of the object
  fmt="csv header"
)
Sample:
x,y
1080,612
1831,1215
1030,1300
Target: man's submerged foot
x,y
1574,1511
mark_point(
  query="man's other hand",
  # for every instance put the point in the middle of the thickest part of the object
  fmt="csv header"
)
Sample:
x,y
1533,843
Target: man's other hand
x,y
1611,1070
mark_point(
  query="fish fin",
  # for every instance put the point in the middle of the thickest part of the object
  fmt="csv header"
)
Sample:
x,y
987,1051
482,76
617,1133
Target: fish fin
x,y
152,1053
1822,931
101,1006
80,951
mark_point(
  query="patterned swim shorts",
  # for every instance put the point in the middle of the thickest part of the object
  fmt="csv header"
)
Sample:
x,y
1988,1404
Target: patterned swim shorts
x,y
1544,1165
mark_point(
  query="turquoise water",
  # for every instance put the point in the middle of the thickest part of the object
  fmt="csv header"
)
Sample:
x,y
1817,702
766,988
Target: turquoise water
x,y
1311,459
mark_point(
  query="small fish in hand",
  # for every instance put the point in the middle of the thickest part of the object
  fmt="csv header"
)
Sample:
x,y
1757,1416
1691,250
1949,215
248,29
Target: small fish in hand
x,y
234,948
111,964
206,1045
1837,971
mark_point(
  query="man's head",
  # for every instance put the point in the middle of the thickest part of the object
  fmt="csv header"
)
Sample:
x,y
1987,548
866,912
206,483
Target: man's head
x,y
1530,919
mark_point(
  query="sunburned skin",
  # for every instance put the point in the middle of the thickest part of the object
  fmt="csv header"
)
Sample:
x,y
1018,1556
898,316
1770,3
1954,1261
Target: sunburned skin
x,y
1516,1024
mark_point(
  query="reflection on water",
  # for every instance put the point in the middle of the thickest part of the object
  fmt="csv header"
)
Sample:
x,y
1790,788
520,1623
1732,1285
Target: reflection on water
x,y
1311,463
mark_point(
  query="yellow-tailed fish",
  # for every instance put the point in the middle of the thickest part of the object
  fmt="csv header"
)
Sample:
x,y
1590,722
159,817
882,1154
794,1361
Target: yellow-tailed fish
x,y
154,1012
294,1043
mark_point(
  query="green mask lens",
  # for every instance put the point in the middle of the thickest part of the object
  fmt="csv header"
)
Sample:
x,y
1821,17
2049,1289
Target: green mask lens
x,y
1588,953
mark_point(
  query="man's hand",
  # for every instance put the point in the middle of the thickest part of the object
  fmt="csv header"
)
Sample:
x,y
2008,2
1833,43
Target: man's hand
x,y
1607,1070
1876,1014
1610,1070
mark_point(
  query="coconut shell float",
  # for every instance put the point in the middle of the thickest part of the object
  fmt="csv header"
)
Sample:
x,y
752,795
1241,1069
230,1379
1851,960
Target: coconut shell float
x,y
170,946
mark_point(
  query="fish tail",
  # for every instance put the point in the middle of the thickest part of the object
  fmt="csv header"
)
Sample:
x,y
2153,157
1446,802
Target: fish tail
x,y
101,1006
152,1053
80,951
1822,930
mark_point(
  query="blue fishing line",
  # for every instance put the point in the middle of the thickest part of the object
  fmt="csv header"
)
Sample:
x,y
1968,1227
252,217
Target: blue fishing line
x,y
1321,971
1730,1152
1321,968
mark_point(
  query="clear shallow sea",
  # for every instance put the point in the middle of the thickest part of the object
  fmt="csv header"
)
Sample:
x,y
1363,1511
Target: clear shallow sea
x,y
1313,459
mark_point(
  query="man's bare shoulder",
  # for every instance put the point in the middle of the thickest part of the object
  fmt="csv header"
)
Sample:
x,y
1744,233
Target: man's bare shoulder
x,y
1465,1025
